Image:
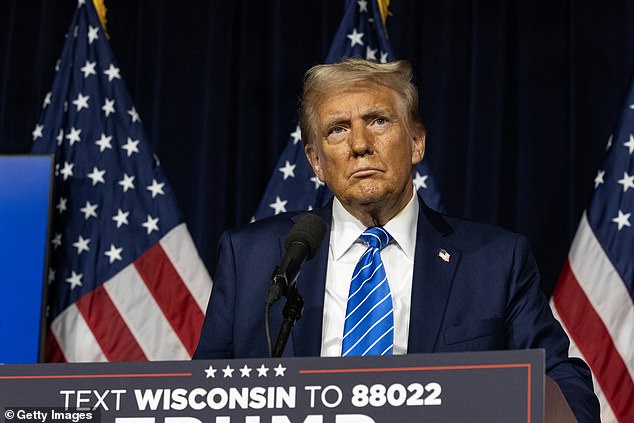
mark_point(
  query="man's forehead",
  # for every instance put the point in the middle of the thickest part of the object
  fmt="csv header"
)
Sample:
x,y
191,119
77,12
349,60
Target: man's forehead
x,y
357,99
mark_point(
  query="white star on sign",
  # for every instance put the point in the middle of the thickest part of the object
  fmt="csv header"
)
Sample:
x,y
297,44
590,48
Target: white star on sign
x,y
262,371
288,170
61,206
93,33
113,253
156,188
315,180
81,244
104,142
127,182
75,280
67,170
623,219
73,137
355,37
420,181
227,371
134,115
296,135
279,206
131,146
627,181
151,224
121,218
112,72
38,132
598,180
97,176
81,102
89,210
630,144
210,372
108,106
89,69
245,371
279,370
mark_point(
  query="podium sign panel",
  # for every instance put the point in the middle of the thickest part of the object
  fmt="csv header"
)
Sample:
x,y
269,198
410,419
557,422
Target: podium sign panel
x,y
462,387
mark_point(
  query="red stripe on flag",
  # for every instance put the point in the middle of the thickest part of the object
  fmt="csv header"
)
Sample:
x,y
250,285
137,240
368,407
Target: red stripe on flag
x,y
172,295
109,329
595,343
52,351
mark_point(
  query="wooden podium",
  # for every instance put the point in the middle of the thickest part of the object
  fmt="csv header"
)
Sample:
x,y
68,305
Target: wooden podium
x,y
504,386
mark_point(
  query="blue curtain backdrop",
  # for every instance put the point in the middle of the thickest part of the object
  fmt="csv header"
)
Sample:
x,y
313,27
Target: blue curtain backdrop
x,y
519,97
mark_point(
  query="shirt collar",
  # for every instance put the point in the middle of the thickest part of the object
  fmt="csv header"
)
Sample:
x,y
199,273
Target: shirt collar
x,y
346,228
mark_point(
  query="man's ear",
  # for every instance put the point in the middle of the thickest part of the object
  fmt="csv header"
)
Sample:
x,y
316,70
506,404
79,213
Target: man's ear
x,y
418,144
313,158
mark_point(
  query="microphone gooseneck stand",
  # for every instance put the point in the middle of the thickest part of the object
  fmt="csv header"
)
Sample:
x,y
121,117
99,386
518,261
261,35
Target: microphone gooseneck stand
x,y
291,313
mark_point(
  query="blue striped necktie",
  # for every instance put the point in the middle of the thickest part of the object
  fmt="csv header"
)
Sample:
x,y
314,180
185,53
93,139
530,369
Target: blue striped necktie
x,y
369,325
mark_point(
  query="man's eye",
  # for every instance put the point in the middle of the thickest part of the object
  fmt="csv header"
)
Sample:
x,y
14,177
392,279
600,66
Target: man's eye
x,y
336,130
380,121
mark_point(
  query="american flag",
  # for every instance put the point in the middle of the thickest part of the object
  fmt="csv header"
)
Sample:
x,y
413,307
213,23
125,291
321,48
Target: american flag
x,y
594,296
125,280
293,185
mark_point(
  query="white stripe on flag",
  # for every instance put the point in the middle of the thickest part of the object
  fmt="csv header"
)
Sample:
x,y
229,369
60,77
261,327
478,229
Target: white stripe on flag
x,y
605,290
607,416
143,316
69,326
180,248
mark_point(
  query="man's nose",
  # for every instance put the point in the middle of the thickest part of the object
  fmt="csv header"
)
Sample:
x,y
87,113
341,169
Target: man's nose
x,y
360,139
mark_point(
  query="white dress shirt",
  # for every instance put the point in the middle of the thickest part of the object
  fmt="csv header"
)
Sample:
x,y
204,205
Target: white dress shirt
x,y
344,251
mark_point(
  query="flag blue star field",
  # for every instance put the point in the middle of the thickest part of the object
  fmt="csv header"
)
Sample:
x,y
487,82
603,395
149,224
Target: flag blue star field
x,y
293,185
594,296
125,280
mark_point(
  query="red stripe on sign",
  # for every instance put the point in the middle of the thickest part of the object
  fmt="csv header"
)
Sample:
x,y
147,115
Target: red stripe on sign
x,y
52,351
110,330
172,295
595,343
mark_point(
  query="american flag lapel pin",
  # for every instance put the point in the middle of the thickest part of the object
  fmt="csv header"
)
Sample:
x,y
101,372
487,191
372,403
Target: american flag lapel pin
x,y
443,254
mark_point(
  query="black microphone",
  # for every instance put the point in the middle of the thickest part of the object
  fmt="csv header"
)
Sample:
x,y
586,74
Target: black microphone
x,y
302,243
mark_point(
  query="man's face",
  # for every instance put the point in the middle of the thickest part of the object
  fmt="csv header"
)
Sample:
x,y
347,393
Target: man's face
x,y
364,149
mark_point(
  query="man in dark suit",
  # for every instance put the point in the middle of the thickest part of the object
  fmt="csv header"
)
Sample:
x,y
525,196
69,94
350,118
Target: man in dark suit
x,y
452,284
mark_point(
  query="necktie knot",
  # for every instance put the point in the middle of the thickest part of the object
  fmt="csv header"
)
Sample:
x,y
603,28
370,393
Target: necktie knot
x,y
376,237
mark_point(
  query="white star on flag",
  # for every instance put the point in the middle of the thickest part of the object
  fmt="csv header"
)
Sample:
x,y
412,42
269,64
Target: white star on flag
x,y
112,72
121,218
97,176
156,188
622,220
73,136
81,102
89,210
296,135
93,34
420,181
67,170
127,182
151,224
57,240
134,115
598,180
61,205
113,253
81,244
627,181
75,280
108,106
131,146
630,144
89,69
279,206
104,142
355,37
288,170
37,132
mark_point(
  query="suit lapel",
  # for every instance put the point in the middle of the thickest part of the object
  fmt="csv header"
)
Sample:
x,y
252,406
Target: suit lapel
x,y
434,268
311,282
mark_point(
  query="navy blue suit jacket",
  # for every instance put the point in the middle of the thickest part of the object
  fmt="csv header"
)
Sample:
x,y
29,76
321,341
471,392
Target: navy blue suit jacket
x,y
486,297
